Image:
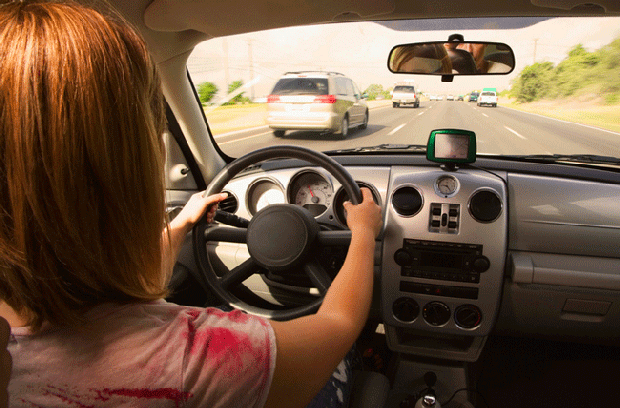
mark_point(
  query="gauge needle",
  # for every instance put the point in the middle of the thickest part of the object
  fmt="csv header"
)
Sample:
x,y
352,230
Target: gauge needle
x,y
314,199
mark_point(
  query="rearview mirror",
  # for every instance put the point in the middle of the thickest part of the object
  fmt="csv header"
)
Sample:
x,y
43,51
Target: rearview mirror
x,y
452,58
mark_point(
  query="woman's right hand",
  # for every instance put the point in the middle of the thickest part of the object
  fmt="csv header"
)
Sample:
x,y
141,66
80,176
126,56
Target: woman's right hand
x,y
365,216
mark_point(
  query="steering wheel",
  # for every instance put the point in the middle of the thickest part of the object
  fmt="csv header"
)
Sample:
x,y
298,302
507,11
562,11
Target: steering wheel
x,y
279,237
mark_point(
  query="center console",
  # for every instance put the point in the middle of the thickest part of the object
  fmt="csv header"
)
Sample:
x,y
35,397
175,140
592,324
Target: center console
x,y
443,260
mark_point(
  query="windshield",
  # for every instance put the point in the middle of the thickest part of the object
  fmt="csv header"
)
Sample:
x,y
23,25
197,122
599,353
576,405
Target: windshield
x,y
328,87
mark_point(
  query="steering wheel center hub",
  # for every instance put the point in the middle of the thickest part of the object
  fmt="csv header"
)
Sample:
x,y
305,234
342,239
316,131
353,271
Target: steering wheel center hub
x,y
280,236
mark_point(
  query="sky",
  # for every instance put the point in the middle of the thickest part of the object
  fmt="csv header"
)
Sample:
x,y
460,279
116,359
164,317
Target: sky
x,y
360,50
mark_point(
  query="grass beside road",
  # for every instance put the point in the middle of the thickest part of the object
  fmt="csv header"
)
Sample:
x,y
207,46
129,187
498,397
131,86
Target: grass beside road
x,y
224,119
593,113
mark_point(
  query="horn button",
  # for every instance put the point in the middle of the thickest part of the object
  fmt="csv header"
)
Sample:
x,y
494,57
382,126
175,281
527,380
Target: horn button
x,y
280,236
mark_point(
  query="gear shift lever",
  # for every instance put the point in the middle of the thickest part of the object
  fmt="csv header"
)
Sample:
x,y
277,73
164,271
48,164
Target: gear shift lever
x,y
428,400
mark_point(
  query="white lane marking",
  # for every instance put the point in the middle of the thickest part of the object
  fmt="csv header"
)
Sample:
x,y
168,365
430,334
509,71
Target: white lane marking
x,y
484,114
565,121
396,129
515,133
239,131
421,113
245,138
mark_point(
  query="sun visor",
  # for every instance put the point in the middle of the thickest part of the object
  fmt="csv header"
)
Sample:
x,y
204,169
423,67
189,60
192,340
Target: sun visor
x,y
218,18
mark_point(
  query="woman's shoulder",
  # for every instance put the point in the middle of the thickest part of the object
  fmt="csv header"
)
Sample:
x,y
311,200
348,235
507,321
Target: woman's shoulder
x,y
194,321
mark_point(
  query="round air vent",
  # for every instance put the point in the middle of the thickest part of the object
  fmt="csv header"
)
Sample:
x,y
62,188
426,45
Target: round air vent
x,y
407,201
230,204
485,206
342,196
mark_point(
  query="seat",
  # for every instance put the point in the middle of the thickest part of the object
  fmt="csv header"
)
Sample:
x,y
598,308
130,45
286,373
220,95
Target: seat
x,y
370,390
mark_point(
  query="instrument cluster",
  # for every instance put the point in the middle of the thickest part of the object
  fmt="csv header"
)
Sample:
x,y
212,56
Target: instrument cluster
x,y
308,188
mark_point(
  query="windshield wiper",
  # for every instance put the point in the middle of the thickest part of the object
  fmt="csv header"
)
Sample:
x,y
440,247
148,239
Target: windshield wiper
x,y
381,148
578,158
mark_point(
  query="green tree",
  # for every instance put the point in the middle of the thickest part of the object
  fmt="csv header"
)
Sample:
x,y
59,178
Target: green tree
x,y
232,87
535,81
374,90
206,92
607,70
576,71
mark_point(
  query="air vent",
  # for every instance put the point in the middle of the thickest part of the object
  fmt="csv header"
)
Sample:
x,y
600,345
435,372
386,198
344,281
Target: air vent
x,y
485,206
230,204
407,201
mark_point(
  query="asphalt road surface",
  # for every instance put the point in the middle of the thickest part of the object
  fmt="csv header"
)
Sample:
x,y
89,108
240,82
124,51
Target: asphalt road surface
x,y
498,130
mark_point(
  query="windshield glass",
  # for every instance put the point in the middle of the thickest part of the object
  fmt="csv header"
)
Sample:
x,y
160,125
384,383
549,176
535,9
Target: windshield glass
x,y
328,87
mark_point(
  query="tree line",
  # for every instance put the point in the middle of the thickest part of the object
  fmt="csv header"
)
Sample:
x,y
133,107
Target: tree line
x,y
208,90
580,72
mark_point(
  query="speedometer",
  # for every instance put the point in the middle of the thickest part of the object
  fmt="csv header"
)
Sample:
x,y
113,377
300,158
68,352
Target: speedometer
x,y
312,191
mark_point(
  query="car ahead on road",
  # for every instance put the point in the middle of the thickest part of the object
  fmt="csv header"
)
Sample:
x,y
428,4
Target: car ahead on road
x,y
473,97
499,278
405,94
460,98
319,101
450,97
488,97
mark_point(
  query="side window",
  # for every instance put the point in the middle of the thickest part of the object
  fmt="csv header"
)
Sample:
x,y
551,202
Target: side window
x,y
341,87
349,87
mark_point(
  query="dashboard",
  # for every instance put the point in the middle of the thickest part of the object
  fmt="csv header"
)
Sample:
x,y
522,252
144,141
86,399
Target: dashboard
x,y
463,252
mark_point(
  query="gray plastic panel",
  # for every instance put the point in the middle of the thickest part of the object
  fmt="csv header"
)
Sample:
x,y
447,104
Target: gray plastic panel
x,y
564,311
565,270
492,236
563,216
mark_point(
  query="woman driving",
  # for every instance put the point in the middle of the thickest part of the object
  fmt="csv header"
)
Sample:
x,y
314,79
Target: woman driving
x,y
84,263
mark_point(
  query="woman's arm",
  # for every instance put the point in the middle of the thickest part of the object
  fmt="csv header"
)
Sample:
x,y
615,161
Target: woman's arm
x,y
179,227
309,348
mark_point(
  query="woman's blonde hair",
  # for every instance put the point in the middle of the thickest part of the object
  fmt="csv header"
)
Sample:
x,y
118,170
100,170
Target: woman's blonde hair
x,y
81,168
404,54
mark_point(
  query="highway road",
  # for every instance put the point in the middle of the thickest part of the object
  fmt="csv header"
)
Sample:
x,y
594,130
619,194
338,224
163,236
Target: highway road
x,y
498,130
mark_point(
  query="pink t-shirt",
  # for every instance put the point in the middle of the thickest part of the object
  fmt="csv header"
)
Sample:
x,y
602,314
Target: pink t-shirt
x,y
155,354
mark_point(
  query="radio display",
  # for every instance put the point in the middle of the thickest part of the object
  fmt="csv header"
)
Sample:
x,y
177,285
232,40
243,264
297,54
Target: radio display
x,y
441,260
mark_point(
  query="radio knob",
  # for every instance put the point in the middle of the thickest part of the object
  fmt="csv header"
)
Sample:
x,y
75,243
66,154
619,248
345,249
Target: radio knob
x,y
481,264
402,257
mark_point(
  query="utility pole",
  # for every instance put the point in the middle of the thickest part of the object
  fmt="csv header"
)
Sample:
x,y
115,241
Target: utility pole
x,y
251,69
226,77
